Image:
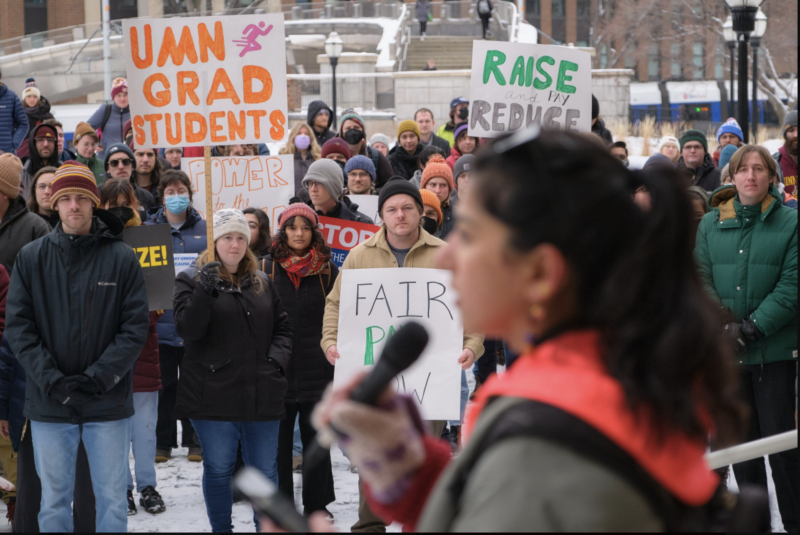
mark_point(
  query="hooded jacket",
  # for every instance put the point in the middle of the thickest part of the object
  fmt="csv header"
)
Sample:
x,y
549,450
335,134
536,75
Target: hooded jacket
x,y
112,132
313,110
96,165
747,260
18,228
35,162
13,120
78,305
36,116
403,163
599,128
707,176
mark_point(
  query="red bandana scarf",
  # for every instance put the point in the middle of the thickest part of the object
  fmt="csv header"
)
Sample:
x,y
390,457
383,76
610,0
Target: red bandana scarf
x,y
298,267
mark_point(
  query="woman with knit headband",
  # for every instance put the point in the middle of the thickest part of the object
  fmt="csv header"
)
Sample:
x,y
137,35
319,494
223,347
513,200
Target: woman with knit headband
x,y
238,347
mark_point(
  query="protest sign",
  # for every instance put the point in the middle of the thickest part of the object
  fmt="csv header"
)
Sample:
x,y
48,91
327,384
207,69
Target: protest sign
x,y
376,303
341,236
367,205
206,80
514,85
265,182
153,247
183,261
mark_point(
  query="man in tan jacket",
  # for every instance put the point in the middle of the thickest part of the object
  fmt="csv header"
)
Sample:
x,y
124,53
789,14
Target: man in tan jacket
x,y
401,242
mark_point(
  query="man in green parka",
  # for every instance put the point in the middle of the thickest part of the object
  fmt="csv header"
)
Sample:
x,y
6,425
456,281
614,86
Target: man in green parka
x,y
746,253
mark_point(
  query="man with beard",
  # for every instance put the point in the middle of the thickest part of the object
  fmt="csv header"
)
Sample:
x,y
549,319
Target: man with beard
x,y
148,170
120,164
786,157
42,145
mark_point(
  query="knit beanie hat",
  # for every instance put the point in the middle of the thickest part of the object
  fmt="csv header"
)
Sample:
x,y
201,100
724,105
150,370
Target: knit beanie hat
x,y
726,154
437,167
658,159
694,135
595,107
10,175
329,174
430,199
380,138
395,186
351,115
408,126
462,127
463,165
700,192
730,127
230,220
666,140
119,85
74,178
360,162
789,121
83,129
118,147
298,209
30,89
335,145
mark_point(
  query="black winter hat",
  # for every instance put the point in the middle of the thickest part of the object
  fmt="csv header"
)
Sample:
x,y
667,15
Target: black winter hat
x,y
119,147
395,186
595,107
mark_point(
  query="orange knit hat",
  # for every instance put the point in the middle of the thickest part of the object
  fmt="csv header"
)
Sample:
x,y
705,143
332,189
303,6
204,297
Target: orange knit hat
x,y
430,199
437,167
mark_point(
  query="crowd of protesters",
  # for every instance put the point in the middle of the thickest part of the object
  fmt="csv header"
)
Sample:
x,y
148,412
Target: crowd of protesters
x,y
243,359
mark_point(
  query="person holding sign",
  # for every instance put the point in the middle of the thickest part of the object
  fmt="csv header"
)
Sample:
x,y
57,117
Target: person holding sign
x,y
597,426
301,268
238,346
188,237
402,243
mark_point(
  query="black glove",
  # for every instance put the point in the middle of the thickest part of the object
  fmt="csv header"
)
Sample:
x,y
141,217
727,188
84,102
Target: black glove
x,y
749,330
90,387
733,335
209,276
67,390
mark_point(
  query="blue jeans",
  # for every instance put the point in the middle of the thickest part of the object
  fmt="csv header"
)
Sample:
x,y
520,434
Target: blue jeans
x,y
464,398
297,444
55,449
143,440
220,441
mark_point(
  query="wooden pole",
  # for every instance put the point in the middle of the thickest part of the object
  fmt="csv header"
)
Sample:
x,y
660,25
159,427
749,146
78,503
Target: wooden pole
x,y
209,202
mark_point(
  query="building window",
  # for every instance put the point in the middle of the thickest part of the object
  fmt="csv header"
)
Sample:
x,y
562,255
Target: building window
x,y
697,61
719,72
603,57
558,8
35,16
533,7
584,9
582,43
675,65
653,63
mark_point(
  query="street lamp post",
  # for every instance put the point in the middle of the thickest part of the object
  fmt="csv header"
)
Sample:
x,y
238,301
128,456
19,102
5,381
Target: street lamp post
x,y
730,38
333,48
755,42
743,13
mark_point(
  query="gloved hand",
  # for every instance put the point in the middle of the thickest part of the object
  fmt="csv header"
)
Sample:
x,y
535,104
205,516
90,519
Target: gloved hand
x,y
67,390
90,387
209,276
749,330
732,334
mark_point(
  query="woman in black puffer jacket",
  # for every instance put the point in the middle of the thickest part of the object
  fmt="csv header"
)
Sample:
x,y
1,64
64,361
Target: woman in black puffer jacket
x,y
301,268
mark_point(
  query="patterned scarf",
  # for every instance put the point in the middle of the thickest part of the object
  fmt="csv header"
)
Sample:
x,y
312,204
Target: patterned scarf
x,y
298,267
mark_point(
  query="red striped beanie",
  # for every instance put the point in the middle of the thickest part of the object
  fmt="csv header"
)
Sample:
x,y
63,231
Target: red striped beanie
x,y
74,178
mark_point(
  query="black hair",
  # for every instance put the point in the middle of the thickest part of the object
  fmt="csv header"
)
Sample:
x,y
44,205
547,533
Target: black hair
x,y
174,176
633,272
280,244
111,189
426,154
262,244
620,145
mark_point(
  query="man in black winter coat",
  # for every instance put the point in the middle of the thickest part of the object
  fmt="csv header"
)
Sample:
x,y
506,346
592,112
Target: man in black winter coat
x,y
77,322
120,163
43,150
325,184
696,163
320,119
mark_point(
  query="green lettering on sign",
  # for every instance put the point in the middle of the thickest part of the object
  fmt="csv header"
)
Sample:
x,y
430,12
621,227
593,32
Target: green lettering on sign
x,y
529,72
494,58
518,73
369,353
563,77
538,83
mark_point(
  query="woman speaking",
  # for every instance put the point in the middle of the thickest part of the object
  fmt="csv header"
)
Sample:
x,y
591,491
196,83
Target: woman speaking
x,y
602,423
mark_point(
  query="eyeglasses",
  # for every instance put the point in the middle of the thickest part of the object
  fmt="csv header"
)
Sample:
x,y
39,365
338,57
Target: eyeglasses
x,y
124,162
42,186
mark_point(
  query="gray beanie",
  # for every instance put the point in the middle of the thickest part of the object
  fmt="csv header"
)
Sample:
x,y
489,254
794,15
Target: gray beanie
x,y
329,174
463,164
789,121
380,138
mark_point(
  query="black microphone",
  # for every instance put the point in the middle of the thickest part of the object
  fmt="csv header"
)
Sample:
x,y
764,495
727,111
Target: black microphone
x,y
400,352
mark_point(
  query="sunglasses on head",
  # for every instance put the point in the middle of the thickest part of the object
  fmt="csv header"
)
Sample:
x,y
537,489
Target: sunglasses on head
x,y
124,162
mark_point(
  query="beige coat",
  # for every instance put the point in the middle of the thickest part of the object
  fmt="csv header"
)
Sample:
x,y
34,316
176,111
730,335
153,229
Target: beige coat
x,y
375,253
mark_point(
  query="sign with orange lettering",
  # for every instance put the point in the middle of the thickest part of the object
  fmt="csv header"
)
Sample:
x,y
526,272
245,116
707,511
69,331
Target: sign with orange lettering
x,y
206,80
265,182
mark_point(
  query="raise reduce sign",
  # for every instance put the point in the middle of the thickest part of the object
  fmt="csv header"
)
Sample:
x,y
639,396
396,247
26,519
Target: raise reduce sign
x,y
206,80
376,303
265,182
514,85
341,236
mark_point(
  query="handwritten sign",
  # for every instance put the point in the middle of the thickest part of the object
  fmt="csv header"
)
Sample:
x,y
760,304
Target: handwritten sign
x,y
376,303
514,85
367,205
153,247
266,182
206,80
341,236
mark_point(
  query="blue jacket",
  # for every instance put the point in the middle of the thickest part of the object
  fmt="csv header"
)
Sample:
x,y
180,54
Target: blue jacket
x,y
13,121
191,238
12,393
112,132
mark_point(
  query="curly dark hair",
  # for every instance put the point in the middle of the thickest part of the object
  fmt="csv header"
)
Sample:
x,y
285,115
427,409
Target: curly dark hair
x,y
262,244
280,245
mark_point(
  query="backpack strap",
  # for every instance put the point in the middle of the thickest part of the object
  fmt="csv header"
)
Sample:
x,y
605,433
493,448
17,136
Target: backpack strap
x,y
326,271
272,273
106,117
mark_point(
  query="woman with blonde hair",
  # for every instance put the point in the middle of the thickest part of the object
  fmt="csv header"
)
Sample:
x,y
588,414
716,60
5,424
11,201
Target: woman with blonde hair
x,y
303,144
238,344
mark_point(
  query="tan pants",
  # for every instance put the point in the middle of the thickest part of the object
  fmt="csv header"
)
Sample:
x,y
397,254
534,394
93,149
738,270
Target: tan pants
x,y
9,461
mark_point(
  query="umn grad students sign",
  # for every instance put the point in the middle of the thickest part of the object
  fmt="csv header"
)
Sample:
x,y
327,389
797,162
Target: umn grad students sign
x,y
206,80
375,303
514,85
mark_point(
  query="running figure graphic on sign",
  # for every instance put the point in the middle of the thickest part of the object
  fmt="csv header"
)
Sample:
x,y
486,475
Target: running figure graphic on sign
x,y
250,34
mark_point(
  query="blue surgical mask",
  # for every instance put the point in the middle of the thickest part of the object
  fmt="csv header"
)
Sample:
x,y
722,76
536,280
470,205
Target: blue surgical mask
x,y
177,204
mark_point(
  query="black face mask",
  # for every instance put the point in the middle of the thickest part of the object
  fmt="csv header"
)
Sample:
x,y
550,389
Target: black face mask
x,y
353,136
463,113
123,212
430,225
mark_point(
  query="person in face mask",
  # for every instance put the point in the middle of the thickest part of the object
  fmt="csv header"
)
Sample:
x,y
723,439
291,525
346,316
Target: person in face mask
x,y
431,211
303,145
459,111
188,237
620,150
355,135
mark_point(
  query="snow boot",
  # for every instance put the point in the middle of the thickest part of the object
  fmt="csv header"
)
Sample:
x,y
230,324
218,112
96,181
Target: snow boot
x,y
131,504
151,500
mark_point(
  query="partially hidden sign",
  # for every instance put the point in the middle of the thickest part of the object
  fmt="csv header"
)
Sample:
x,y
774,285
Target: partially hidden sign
x,y
514,85
341,236
376,303
153,247
206,80
367,205
265,182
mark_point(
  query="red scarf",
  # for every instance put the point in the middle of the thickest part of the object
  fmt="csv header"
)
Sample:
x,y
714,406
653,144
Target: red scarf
x,y
298,267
